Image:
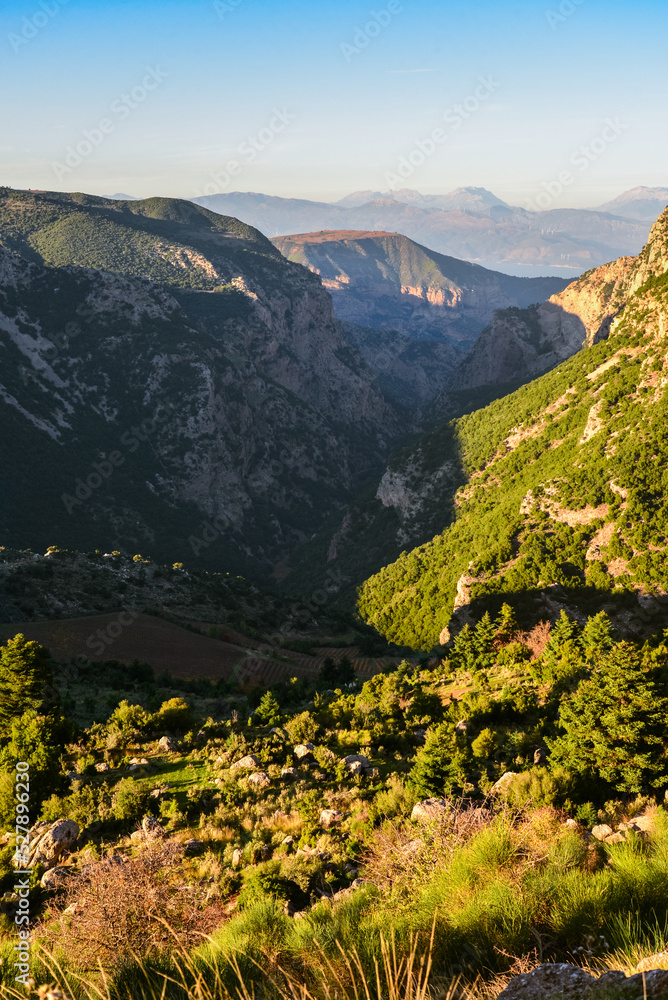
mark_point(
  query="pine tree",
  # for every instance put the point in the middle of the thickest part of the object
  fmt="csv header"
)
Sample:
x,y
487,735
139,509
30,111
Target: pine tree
x,y
25,677
438,764
506,624
597,635
616,725
268,712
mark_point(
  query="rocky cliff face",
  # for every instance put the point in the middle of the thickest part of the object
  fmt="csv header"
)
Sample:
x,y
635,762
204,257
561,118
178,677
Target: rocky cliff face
x,y
520,344
183,389
388,282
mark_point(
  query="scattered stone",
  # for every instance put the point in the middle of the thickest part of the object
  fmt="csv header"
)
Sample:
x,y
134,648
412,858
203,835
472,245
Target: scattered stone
x,y
246,763
540,756
193,847
304,750
355,769
431,810
330,817
153,827
501,786
290,773
102,766
461,727
265,852
141,761
572,824
288,841
237,857
615,838
601,831
260,779
167,744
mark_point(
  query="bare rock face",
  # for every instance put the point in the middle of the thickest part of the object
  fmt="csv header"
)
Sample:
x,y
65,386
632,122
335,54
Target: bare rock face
x,y
49,841
304,751
167,744
432,810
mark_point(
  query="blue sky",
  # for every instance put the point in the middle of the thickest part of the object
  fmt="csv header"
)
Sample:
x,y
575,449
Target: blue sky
x,y
316,99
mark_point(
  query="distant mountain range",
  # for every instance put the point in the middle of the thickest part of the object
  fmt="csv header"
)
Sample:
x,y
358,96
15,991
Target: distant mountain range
x,y
469,223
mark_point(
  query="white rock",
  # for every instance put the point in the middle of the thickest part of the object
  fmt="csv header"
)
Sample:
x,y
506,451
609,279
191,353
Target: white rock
x,y
330,817
431,810
246,763
260,779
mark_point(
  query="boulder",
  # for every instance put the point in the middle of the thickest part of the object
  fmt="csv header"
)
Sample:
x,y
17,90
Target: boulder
x,y
193,847
547,981
431,810
601,832
501,786
304,750
260,779
355,768
290,773
102,766
237,857
167,744
53,878
330,817
246,763
153,827
540,756
462,727
356,758
48,841
552,981
615,838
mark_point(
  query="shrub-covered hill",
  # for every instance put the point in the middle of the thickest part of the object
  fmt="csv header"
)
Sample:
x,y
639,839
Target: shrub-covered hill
x,y
553,495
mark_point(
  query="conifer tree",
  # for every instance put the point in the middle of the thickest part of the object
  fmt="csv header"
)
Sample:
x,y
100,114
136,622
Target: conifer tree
x,y
25,677
597,635
615,726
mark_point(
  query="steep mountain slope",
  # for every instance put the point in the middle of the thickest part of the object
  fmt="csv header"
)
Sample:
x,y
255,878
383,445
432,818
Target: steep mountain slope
x,y
561,242
388,282
182,389
519,344
642,203
554,495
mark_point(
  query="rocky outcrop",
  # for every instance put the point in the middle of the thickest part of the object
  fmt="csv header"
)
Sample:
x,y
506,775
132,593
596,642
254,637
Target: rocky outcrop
x,y
432,810
48,842
549,982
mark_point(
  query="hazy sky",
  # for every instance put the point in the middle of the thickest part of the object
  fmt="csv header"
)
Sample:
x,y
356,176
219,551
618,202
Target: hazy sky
x,y
316,99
